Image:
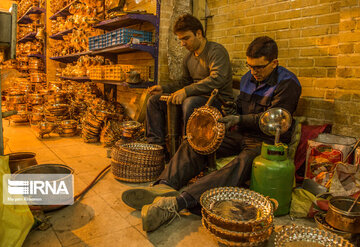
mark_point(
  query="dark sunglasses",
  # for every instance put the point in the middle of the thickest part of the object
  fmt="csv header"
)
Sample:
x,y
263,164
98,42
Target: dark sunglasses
x,y
257,67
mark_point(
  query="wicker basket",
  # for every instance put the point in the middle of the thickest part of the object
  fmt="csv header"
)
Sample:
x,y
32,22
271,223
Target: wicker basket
x,y
137,162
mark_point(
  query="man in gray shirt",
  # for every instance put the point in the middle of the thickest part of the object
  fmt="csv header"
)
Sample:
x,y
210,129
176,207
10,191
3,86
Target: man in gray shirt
x,y
206,67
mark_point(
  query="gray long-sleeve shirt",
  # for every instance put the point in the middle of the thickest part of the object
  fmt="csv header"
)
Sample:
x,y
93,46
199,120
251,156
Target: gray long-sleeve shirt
x,y
203,73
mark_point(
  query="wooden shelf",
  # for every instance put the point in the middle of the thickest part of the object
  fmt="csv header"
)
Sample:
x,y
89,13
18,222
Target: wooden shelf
x,y
79,79
25,19
27,37
63,12
122,83
70,58
125,48
126,20
37,55
59,35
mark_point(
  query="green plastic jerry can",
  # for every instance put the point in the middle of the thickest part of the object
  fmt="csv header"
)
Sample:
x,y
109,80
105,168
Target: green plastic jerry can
x,y
273,175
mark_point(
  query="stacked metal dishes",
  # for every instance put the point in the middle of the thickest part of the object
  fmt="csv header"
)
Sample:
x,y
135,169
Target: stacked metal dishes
x,y
91,127
56,112
36,98
131,130
137,162
59,97
293,235
37,114
111,133
67,128
252,227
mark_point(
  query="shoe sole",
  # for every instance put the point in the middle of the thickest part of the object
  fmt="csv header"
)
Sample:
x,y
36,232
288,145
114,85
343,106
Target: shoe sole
x,y
137,198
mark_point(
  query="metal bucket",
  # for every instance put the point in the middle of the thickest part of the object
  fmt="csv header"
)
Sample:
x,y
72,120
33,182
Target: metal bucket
x,y
21,160
47,169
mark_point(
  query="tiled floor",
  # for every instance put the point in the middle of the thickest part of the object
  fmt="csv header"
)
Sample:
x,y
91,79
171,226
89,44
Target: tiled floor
x,y
101,218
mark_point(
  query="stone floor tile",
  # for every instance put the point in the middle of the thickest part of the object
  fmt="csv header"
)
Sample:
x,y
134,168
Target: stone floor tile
x,y
39,238
129,214
72,151
87,219
128,237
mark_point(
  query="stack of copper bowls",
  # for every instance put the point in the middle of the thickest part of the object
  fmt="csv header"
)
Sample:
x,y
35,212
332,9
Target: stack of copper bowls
x,y
37,114
56,112
67,127
37,77
237,216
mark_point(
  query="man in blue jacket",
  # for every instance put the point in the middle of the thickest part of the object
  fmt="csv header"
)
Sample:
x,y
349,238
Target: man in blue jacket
x,y
264,86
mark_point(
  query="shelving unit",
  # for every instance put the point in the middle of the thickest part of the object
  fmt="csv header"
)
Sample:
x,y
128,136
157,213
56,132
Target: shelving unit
x,y
111,52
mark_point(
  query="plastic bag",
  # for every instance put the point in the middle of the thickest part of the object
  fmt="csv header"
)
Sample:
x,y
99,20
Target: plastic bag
x,y
15,220
325,150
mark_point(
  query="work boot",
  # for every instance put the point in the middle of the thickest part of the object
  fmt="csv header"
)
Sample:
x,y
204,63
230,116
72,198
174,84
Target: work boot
x,y
138,197
160,211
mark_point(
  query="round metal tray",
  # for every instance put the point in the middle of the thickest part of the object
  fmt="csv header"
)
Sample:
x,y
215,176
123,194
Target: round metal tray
x,y
263,205
293,233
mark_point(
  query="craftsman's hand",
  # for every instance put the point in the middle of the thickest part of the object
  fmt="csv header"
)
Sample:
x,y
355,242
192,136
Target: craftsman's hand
x,y
178,97
230,120
229,108
157,89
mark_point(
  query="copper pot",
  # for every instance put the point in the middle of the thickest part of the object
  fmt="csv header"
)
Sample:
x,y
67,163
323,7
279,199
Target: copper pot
x,y
338,216
21,160
37,77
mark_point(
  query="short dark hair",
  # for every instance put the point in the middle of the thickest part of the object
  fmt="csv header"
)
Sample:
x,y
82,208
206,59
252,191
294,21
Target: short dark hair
x,y
263,46
188,22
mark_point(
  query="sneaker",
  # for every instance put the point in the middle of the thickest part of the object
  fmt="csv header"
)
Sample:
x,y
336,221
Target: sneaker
x,y
160,211
138,197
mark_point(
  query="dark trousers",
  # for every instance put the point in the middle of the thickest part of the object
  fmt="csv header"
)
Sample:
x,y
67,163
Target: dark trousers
x,y
156,115
186,164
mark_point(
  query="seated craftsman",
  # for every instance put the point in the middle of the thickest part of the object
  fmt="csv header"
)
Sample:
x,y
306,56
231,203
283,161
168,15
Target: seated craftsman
x,y
206,67
264,86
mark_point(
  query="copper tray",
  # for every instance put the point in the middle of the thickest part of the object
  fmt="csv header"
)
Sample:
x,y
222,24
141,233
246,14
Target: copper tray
x,y
264,206
293,233
204,132
229,238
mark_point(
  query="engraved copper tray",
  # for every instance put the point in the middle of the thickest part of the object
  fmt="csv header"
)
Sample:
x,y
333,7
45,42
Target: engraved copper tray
x,y
204,132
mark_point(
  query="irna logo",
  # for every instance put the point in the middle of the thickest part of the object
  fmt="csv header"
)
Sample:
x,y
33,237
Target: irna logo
x,y
37,187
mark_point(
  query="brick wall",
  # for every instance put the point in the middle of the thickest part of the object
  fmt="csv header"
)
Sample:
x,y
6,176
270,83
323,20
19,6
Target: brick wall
x,y
319,40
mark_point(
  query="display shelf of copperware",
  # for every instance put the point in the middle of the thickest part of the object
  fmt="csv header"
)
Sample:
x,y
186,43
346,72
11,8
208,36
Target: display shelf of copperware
x,y
32,10
63,12
145,84
78,79
126,20
71,57
59,35
27,37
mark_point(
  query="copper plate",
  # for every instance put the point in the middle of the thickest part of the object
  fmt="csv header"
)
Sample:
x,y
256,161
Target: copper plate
x,y
204,132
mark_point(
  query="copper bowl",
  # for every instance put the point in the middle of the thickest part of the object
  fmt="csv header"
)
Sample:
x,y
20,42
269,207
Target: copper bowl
x,y
21,160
